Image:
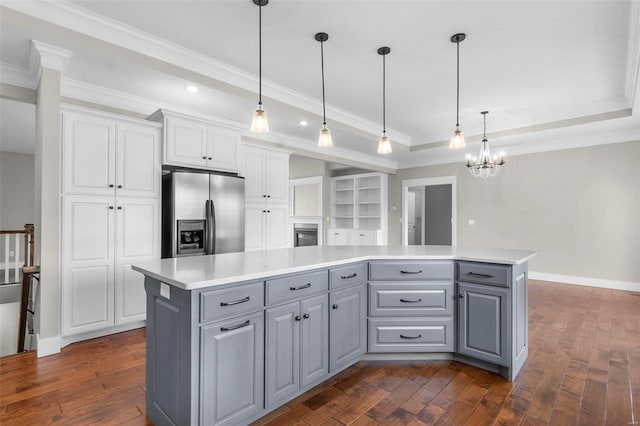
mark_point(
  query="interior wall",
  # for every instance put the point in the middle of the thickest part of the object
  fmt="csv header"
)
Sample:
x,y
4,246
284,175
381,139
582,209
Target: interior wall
x,y
16,190
578,208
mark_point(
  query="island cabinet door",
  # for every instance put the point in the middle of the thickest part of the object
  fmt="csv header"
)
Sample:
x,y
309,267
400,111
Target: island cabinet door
x,y
347,327
232,379
314,347
283,352
483,322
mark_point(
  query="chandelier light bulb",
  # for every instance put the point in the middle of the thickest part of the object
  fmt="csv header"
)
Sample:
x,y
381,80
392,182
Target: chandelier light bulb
x,y
259,124
324,140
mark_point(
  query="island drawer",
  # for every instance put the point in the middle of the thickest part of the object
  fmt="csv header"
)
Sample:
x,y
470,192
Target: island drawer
x,y
411,270
434,298
296,286
230,301
408,335
487,273
345,276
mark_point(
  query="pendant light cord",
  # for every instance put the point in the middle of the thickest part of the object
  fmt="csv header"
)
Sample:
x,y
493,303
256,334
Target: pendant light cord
x,y
384,97
260,54
457,84
324,113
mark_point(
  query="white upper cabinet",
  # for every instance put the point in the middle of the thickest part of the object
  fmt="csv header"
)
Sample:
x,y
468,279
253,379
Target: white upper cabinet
x,y
277,177
266,175
254,172
103,155
197,143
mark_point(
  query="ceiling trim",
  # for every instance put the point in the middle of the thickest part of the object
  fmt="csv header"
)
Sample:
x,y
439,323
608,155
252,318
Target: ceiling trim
x,y
633,53
81,20
18,76
43,55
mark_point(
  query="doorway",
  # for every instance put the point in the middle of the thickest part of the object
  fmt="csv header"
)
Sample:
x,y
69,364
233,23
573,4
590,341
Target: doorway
x,y
429,211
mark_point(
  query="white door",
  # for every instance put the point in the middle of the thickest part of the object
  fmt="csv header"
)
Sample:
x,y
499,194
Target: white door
x,y
87,276
277,177
254,172
130,295
277,226
222,149
254,226
89,154
186,142
138,169
411,218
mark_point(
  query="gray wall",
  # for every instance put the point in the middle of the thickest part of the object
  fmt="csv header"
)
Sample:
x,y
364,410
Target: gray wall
x,y
16,190
578,208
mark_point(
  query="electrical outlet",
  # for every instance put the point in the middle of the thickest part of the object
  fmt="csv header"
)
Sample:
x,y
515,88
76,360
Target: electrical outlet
x,y
472,222
12,253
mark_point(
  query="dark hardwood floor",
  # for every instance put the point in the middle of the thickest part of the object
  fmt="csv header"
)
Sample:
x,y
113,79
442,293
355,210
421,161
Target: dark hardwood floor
x,y
583,368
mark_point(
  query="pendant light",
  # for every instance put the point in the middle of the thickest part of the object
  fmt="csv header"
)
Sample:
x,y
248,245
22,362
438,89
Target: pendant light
x,y
324,140
485,166
260,124
384,143
457,140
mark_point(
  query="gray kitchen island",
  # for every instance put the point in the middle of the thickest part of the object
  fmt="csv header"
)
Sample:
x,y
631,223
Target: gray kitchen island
x,y
232,337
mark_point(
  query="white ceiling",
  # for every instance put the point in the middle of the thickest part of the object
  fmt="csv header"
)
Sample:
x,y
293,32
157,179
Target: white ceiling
x,y
538,67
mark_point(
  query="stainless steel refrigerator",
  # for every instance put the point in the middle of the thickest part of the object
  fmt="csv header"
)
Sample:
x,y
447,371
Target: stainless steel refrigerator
x,y
202,213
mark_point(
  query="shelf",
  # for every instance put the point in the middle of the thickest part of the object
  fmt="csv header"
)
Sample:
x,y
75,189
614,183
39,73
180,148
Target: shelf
x,y
343,204
343,217
369,187
368,202
344,190
368,217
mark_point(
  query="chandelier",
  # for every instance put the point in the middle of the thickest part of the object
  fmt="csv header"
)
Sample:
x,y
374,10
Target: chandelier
x,y
485,166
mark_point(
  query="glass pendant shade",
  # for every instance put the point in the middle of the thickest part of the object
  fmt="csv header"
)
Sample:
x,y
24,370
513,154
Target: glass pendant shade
x,y
384,145
259,123
324,140
457,140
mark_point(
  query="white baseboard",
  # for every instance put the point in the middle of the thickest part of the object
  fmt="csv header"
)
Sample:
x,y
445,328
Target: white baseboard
x,y
67,340
591,282
47,346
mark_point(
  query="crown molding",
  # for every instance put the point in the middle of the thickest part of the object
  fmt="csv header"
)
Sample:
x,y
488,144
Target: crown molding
x,y
18,76
633,55
43,55
68,15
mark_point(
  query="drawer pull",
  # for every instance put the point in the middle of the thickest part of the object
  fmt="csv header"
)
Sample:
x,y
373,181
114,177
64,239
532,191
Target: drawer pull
x,y
348,276
410,301
475,274
411,337
235,302
235,327
305,316
411,272
302,287
297,318
334,307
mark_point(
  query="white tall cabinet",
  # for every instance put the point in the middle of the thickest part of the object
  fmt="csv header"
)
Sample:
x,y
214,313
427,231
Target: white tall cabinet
x,y
358,210
266,175
110,217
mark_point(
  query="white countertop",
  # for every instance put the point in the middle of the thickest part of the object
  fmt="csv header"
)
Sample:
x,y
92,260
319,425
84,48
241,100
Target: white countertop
x,y
196,272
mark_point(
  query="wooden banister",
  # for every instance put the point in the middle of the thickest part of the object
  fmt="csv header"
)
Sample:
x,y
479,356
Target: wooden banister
x,y
29,232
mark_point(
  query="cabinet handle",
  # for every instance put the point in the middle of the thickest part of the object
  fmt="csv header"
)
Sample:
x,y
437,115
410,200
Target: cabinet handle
x,y
336,233
411,272
302,287
264,211
410,301
210,158
305,316
110,185
410,337
474,274
334,307
235,302
204,157
119,207
110,207
268,196
461,296
235,327
264,196
268,211
362,235
348,276
119,186
297,318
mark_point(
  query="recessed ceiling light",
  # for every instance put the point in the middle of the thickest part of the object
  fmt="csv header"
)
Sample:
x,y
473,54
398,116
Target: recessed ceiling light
x,y
192,89
303,122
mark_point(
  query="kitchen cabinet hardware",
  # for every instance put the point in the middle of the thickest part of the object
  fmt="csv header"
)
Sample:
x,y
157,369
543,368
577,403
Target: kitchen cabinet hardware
x,y
410,301
204,157
302,287
402,336
119,186
110,185
349,276
110,207
119,207
475,274
411,272
305,316
297,318
334,307
209,158
235,302
235,327
461,296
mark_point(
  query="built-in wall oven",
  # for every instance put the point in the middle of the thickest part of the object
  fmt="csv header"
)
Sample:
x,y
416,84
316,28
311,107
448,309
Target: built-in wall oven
x,y
305,234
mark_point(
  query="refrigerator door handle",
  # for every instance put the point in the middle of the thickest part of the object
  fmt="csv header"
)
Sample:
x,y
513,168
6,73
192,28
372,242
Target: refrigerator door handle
x,y
208,243
212,221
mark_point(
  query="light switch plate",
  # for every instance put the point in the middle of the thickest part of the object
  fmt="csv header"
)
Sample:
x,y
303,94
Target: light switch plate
x,y
165,291
472,222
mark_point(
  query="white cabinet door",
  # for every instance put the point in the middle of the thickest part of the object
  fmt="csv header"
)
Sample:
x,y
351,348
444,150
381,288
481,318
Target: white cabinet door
x,y
89,154
138,171
277,226
88,269
277,177
363,238
130,296
137,229
186,142
254,172
254,226
223,149
338,237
